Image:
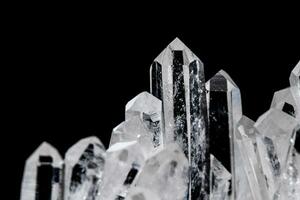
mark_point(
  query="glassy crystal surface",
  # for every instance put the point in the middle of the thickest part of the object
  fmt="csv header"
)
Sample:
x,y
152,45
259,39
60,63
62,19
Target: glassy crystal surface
x,y
225,110
42,177
149,109
165,174
295,76
188,140
275,142
84,165
220,180
177,78
124,161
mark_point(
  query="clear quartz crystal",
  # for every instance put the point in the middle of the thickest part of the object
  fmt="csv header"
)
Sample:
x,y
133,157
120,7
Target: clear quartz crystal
x,y
84,165
250,182
287,100
187,140
289,186
43,175
276,133
220,180
177,78
165,173
123,163
149,109
225,110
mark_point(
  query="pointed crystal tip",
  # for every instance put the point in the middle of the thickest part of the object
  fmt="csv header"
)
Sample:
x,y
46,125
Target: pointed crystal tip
x,y
177,44
46,149
166,57
221,81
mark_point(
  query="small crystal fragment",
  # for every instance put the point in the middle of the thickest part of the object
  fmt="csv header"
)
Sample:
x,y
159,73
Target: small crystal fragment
x,y
287,100
165,174
84,164
123,163
43,175
148,108
133,130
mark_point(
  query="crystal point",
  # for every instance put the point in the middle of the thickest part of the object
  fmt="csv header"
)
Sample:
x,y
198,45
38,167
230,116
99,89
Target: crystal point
x,y
42,177
84,163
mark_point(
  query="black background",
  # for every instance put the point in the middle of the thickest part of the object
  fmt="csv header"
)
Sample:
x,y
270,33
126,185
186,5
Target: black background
x,y
70,71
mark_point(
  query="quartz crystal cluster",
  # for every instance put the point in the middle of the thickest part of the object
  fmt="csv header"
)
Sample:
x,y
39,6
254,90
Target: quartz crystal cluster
x,y
185,140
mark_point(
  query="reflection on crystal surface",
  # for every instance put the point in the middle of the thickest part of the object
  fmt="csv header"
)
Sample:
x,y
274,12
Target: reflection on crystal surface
x,y
84,164
43,175
177,78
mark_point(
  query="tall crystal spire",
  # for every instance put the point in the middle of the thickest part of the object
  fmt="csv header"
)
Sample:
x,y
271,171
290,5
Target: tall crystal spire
x,y
43,175
177,78
84,165
225,110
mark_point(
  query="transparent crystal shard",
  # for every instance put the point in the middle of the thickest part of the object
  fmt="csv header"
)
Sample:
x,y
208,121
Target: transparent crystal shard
x,y
287,100
138,193
220,180
177,78
295,76
165,174
225,110
250,182
133,130
84,165
275,142
42,177
124,161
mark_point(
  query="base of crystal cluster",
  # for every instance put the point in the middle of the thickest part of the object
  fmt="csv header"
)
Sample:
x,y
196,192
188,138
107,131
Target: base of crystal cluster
x,y
187,140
